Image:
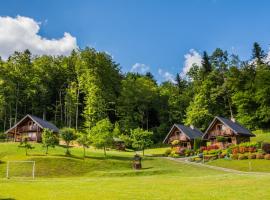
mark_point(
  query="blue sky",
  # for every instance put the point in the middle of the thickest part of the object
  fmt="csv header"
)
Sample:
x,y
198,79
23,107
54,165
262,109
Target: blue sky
x,y
154,33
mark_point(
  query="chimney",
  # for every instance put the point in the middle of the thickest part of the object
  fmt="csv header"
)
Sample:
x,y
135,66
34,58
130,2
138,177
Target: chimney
x,y
232,119
191,126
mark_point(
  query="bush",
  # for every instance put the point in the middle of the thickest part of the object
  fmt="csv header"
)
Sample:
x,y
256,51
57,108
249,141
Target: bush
x,y
267,157
252,156
197,143
167,152
175,142
259,156
208,148
214,152
3,136
222,155
221,139
234,156
242,157
210,157
235,150
266,147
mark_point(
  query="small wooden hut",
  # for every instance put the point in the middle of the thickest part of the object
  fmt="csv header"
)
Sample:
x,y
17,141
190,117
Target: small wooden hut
x,y
30,127
184,134
223,132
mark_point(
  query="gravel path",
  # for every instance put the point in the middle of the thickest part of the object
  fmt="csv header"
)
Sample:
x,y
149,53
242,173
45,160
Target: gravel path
x,y
184,160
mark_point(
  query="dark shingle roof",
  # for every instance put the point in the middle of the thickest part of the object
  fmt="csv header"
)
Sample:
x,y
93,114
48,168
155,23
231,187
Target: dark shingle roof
x,y
191,133
235,126
44,124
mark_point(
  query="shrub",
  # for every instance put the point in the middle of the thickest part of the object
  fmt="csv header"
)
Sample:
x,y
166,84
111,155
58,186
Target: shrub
x,y
234,156
167,152
266,147
214,152
221,139
181,152
222,155
252,156
210,147
197,143
210,157
267,157
235,150
259,156
197,159
242,157
3,136
175,142
243,149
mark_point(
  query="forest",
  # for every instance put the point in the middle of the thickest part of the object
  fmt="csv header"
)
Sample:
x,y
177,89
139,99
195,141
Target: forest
x,y
87,86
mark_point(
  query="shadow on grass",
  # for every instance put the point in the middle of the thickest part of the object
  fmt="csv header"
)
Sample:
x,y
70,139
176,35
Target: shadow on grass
x,y
7,199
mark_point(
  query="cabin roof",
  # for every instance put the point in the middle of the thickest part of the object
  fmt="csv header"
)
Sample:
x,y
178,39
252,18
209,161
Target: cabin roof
x,y
234,126
191,133
40,122
44,123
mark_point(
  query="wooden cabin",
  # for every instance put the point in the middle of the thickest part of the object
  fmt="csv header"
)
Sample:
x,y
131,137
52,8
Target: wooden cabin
x,y
224,132
31,127
119,144
186,135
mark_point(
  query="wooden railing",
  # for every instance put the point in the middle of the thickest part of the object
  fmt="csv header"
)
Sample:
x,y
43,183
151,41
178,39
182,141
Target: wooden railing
x,y
28,128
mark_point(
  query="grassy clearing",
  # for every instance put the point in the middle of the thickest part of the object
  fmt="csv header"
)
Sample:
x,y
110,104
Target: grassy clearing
x,y
96,177
255,165
261,136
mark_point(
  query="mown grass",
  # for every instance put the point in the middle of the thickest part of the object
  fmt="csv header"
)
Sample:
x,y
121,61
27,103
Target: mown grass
x,y
253,165
261,136
97,177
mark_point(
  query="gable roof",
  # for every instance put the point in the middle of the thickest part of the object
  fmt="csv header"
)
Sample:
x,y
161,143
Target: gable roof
x,y
189,132
234,126
40,122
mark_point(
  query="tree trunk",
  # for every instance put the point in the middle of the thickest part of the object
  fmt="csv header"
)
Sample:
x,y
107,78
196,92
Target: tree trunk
x,y
143,151
47,150
67,147
44,114
10,115
77,109
61,108
84,152
16,106
104,149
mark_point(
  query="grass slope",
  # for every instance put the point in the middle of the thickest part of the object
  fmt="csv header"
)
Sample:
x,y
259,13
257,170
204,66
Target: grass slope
x,y
60,177
261,136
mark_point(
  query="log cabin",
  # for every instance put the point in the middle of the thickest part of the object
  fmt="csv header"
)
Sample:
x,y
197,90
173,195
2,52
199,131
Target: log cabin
x,y
30,127
224,132
186,135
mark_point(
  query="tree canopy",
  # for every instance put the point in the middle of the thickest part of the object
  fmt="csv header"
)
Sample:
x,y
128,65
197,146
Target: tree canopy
x,y
80,90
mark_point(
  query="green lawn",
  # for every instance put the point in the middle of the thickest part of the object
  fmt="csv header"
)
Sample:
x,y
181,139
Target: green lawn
x,y
261,136
253,165
59,177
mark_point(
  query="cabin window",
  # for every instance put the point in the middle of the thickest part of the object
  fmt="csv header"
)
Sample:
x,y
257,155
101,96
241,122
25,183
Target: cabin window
x,y
229,140
221,127
184,144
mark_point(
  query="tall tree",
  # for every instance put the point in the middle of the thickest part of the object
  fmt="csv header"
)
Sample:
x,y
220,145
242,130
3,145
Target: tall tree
x,y
258,54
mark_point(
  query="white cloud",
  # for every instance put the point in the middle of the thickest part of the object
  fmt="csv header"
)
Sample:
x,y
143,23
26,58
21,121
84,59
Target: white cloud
x,y
20,33
140,68
193,57
167,76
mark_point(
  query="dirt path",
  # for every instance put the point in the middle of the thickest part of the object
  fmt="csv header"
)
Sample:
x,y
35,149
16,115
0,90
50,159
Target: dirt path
x,y
184,160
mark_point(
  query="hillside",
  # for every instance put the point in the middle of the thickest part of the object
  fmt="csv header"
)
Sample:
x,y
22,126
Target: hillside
x,y
61,177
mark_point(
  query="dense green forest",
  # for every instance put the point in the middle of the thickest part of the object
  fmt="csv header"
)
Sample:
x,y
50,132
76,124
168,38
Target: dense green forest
x,y
87,86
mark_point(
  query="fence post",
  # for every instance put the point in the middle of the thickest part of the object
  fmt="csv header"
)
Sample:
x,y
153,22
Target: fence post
x,y
8,169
